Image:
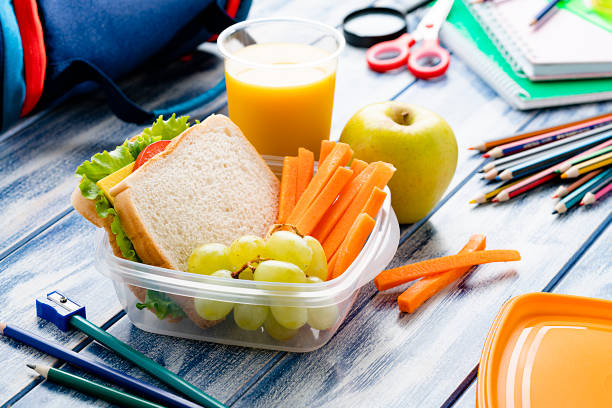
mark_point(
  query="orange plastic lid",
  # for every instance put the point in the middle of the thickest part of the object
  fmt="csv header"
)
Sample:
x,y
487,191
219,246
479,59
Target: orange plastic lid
x,y
548,350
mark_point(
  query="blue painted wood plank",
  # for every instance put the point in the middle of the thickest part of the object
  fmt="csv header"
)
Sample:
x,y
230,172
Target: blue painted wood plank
x,y
59,258
591,276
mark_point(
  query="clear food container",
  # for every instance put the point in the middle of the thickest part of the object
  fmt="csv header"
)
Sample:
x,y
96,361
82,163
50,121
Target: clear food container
x,y
333,298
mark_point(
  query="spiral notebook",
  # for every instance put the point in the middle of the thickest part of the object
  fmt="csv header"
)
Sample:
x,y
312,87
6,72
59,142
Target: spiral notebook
x,y
575,42
466,38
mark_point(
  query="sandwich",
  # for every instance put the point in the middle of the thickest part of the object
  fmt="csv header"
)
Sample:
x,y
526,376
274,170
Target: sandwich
x,y
171,188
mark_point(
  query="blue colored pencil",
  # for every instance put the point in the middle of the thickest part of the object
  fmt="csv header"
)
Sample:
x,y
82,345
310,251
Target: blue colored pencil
x,y
101,370
572,199
554,157
544,12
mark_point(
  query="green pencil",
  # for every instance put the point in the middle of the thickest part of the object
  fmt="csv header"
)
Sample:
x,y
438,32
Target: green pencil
x,y
92,388
144,362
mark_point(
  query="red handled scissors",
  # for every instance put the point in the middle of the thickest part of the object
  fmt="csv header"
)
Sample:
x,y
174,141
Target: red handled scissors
x,y
429,60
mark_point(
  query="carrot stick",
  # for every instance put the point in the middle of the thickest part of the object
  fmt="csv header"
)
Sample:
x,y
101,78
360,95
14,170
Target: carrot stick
x,y
324,200
379,178
371,208
376,200
288,187
326,148
330,266
305,168
339,156
394,277
423,289
345,198
352,244
358,166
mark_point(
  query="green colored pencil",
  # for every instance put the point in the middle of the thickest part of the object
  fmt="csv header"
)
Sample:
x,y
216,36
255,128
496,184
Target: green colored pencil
x,y
94,389
144,362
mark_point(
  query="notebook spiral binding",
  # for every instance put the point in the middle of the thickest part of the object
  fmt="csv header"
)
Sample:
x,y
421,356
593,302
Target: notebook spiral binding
x,y
478,11
485,68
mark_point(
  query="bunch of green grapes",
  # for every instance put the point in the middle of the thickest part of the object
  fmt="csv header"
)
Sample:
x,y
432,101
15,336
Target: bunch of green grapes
x,y
283,257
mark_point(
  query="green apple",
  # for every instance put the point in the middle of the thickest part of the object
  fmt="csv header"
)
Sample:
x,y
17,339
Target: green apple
x,y
417,141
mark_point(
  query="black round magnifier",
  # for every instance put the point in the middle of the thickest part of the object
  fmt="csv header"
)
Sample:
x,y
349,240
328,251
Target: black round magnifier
x,y
371,25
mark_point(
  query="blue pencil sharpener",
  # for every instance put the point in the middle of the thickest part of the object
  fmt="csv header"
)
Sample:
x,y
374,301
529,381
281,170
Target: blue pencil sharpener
x,y
58,309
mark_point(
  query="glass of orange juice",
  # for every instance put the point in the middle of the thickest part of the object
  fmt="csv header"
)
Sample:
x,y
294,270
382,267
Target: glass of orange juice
x,y
280,75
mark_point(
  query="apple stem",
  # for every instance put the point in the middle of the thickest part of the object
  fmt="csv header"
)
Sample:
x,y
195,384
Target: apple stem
x,y
405,117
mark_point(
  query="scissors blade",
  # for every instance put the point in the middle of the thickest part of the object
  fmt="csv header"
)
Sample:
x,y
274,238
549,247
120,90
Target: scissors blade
x,y
432,21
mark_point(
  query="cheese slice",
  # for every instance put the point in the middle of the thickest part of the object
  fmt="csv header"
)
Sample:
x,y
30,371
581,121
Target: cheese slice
x,y
113,179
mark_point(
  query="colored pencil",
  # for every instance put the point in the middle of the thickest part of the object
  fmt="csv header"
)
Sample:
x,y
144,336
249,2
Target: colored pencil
x,y
572,199
486,197
526,184
92,388
145,363
533,181
589,165
584,158
488,145
590,198
544,12
562,191
553,157
100,370
558,145
575,131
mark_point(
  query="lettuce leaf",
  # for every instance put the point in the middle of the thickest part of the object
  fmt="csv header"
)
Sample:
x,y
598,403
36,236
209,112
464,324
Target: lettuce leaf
x,y
105,163
161,305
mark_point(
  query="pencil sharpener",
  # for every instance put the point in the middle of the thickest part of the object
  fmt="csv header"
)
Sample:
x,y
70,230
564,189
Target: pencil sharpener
x,y
58,309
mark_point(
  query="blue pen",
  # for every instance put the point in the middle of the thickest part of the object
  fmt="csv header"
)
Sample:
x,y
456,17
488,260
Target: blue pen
x,y
544,12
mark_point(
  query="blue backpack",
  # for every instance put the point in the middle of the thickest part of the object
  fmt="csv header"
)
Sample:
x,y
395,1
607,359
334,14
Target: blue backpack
x,y
48,47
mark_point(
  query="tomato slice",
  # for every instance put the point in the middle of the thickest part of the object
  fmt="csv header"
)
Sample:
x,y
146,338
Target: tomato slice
x,y
150,151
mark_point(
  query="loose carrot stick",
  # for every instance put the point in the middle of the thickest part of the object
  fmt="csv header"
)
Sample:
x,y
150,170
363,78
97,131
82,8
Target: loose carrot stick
x,y
394,277
330,267
339,156
352,244
326,148
376,200
358,166
423,289
288,188
379,178
324,200
305,168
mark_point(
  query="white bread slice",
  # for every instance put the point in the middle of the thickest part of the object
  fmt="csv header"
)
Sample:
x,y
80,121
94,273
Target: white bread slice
x,y
208,185
239,163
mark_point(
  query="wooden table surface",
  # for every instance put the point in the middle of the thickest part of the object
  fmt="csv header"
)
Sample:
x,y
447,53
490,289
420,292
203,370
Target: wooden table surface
x,y
378,357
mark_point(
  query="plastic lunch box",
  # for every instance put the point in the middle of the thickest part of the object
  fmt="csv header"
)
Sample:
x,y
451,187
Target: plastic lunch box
x,y
342,291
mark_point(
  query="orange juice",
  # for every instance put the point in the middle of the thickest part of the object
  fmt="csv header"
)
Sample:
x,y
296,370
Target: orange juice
x,y
280,97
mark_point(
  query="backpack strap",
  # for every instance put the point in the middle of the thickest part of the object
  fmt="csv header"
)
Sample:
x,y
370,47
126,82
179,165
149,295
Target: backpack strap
x,y
13,86
212,18
34,54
